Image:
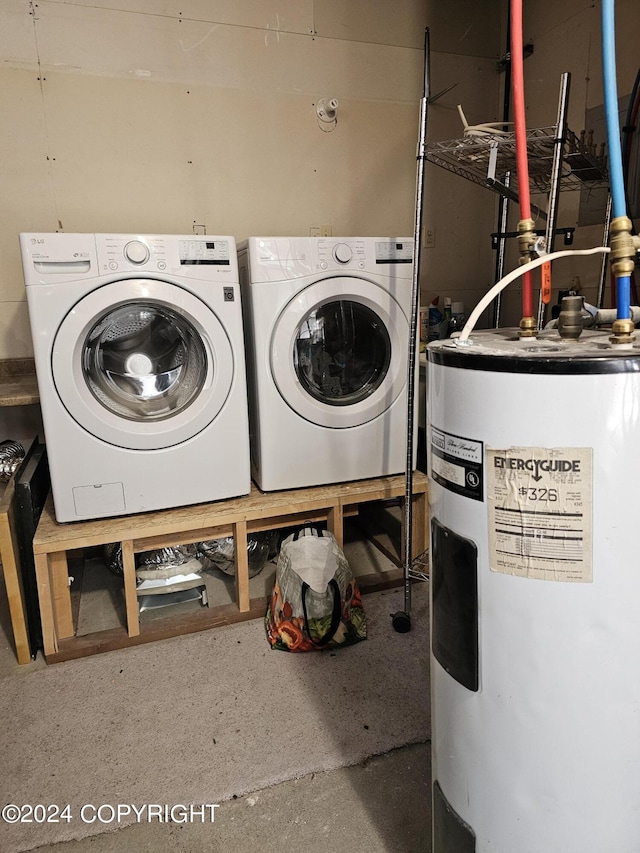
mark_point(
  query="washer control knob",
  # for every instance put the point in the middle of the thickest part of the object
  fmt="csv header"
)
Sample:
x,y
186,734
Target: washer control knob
x,y
136,252
342,253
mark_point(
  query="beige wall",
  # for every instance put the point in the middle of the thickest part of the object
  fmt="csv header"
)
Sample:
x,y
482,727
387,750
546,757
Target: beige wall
x,y
202,113
158,116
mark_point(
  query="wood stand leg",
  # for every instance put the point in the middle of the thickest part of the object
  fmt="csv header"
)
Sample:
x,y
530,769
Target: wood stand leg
x,y
130,594
47,618
335,523
242,565
420,537
59,575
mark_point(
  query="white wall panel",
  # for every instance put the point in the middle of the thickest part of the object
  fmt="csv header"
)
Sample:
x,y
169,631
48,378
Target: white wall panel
x,y
17,35
15,332
293,16
25,174
401,23
462,27
121,44
169,157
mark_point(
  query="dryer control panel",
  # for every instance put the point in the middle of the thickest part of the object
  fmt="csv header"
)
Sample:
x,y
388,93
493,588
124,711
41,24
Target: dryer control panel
x,y
283,258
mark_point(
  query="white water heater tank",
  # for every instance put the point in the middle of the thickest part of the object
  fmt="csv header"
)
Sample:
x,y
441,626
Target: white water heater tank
x,y
534,454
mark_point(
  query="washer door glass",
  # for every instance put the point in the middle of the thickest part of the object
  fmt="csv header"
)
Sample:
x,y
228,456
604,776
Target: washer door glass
x,y
342,352
338,351
144,362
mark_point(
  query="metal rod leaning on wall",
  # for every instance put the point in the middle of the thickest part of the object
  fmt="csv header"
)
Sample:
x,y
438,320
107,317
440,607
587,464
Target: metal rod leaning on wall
x,y
503,207
402,619
556,175
605,258
503,221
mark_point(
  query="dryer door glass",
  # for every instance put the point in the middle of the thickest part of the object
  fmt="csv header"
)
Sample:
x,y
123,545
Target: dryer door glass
x,y
342,352
144,362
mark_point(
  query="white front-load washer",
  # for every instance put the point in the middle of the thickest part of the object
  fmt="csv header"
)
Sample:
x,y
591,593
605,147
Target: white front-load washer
x,y
327,324
139,353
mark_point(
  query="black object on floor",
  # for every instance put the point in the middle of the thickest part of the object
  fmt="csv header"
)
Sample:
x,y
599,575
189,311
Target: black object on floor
x,y
32,484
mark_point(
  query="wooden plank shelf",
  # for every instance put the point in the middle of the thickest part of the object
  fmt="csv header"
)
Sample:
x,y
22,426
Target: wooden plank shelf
x,y
18,385
237,517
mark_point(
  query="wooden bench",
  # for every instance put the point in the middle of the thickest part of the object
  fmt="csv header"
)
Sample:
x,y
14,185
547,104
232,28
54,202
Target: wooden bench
x,y
238,517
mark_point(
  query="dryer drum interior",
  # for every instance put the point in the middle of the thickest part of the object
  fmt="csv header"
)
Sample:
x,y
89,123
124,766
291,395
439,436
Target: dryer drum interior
x,y
144,361
342,352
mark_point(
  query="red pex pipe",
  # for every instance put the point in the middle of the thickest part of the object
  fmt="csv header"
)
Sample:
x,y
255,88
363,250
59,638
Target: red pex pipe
x,y
522,165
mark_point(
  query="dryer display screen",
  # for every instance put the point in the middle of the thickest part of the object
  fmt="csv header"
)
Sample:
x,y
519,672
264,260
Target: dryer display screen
x,y
144,362
342,352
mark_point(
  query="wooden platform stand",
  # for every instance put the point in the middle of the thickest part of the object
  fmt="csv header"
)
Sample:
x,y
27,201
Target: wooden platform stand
x,y
237,517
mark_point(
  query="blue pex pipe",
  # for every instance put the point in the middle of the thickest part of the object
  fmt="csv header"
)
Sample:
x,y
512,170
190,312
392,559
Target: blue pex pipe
x,y
619,207
616,177
623,297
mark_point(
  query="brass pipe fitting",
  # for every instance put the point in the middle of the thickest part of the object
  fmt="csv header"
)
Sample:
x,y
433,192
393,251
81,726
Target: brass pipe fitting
x,y
526,239
527,327
623,248
623,252
623,332
570,322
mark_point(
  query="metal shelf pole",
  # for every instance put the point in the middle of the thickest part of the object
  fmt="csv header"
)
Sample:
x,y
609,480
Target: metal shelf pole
x,y
556,171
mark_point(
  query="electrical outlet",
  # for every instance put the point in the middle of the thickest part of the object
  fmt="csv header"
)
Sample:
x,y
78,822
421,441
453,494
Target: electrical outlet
x,y
428,236
320,231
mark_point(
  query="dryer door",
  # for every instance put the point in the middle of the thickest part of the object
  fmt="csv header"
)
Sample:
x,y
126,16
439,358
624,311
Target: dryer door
x,y
142,364
339,352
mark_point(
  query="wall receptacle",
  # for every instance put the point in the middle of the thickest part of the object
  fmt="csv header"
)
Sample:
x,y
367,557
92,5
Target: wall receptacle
x,y
428,236
320,231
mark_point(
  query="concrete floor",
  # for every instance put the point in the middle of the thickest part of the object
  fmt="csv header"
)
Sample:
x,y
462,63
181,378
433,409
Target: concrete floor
x,y
381,806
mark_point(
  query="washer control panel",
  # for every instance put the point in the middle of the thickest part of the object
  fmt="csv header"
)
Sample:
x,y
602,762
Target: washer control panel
x,y
197,256
341,253
57,256
122,252
136,252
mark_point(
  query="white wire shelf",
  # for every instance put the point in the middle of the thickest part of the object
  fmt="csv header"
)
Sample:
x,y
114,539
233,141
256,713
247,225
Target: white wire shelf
x,y
486,159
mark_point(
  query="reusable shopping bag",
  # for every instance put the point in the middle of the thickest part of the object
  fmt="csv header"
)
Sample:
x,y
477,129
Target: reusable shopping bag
x,y
315,602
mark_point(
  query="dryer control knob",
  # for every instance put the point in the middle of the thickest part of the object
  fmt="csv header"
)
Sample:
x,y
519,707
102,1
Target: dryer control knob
x,y
342,253
136,252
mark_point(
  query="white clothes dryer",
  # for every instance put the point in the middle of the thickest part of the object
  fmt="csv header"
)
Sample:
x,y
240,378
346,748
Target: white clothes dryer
x,y
327,325
139,353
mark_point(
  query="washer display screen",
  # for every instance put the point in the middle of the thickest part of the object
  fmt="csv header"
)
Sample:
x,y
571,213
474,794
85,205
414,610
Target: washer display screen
x,y
342,352
144,362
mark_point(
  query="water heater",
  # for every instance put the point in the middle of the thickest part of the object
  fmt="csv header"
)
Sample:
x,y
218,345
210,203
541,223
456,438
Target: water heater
x,y
534,453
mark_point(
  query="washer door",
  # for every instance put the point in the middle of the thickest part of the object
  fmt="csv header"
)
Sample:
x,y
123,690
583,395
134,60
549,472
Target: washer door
x,y
338,352
142,364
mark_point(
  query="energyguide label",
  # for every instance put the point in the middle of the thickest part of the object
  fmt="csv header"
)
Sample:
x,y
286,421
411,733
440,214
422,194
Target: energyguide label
x,y
540,512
